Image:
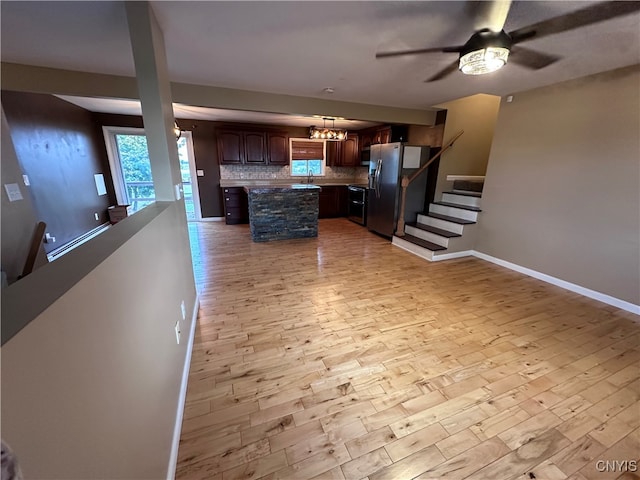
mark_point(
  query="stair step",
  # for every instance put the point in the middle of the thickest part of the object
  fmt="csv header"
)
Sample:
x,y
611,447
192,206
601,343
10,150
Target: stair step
x,y
437,231
423,243
465,193
460,221
458,205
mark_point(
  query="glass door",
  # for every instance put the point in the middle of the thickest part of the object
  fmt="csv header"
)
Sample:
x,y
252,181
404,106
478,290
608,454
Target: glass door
x,y
131,169
189,176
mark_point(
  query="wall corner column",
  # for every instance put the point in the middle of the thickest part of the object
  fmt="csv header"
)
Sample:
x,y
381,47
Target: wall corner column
x,y
154,89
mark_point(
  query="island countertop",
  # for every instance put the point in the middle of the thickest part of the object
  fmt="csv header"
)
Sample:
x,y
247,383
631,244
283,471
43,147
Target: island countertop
x,y
278,182
281,188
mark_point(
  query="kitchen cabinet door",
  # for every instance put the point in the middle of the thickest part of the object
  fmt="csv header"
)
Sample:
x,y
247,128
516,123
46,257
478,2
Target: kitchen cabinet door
x,y
277,148
333,150
385,135
328,202
350,151
230,147
236,205
343,201
366,138
255,147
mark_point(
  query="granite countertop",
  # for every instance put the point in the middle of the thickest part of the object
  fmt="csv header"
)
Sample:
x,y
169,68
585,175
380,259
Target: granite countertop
x,y
282,188
284,182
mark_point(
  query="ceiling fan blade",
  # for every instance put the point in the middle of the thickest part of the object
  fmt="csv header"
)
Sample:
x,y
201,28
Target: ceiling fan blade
x,y
595,13
488,14
419,50
531,58
444,72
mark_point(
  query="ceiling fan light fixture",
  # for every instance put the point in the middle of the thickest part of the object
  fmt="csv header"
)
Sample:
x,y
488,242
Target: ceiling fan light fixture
x,y
484,60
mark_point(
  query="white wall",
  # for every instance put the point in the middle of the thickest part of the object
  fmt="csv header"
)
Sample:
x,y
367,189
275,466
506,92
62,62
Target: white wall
x,y
90,387
562,192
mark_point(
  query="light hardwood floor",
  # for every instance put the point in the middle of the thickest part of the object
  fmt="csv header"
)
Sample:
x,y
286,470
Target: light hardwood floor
x,y
344,357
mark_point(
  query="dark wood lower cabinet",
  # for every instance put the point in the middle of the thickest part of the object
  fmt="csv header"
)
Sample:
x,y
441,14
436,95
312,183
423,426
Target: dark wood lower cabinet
x,y
236,205
333,201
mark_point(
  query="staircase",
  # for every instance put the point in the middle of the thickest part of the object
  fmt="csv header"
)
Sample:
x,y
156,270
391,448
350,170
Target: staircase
x,y
447,230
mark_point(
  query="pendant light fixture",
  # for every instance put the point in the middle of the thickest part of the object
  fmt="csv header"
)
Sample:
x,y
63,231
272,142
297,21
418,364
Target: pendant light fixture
x,y
324,133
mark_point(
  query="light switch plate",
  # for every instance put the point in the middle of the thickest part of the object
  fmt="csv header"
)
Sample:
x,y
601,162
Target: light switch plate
x,y
200,173
13,191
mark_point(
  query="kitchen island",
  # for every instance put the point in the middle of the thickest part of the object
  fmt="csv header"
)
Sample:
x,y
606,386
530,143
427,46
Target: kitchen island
x,y
281,212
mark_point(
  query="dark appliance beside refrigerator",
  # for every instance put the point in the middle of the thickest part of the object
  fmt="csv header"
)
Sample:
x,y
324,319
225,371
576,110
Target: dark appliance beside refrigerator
x,y
389,162
357,208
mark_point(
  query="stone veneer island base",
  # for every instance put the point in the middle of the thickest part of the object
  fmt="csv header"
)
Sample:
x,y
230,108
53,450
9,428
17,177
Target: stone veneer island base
x,y
283,211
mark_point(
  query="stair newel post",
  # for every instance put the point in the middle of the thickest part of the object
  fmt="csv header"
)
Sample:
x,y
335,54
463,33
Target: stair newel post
x,y
400,228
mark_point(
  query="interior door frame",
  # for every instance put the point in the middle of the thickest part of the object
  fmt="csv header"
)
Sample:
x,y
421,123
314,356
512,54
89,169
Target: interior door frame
x,y
114,158
195,192
110,133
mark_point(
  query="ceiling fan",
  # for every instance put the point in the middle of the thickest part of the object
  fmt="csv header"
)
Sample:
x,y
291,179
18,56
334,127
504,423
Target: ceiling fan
x,y
490,46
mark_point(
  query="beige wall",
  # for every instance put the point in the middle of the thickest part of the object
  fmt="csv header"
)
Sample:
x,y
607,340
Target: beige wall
x,y
476,115
90,387
562,193
27,78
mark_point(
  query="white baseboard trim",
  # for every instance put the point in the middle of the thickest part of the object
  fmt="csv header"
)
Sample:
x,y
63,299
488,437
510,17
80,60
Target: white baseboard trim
x,y
602,297
175,444
434,257
451,256
470,178
210,219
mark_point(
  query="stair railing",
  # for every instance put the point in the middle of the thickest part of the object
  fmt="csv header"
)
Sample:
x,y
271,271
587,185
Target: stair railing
x,y
406,180
34,247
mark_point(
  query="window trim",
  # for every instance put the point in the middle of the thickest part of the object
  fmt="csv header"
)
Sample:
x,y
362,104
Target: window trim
x,y
324,155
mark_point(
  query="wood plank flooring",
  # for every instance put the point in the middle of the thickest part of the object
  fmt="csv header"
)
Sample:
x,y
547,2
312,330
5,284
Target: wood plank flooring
x,y
344,357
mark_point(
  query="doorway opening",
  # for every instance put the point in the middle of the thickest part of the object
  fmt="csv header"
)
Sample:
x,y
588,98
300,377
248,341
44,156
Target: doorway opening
x,y
131,169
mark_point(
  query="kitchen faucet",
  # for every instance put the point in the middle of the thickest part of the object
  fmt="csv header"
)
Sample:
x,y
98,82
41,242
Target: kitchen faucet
x,y
310,177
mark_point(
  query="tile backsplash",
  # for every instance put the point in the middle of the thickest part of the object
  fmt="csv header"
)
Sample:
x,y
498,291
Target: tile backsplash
x,y
258,172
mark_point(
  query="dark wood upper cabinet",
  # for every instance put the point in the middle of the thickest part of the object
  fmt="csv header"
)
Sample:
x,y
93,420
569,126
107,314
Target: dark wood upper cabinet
x,y
255,148
230,147
384,135
366,139
333,153
277,148
345,153
237,147
350,151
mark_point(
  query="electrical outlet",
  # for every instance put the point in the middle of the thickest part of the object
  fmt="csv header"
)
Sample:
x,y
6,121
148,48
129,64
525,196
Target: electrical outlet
x,y
183,310
96,216
177,327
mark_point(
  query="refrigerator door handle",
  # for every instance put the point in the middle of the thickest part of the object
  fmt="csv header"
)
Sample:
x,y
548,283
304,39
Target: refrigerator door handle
x,y
378,172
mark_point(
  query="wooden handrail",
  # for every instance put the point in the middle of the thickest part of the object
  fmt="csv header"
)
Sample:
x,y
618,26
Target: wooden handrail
x,y
406,180
34,247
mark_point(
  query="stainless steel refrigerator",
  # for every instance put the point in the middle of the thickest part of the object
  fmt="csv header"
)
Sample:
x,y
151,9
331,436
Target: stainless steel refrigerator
x,y
389,161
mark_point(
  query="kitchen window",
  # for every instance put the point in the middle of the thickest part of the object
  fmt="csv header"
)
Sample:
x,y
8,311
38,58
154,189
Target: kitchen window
x,y
307,157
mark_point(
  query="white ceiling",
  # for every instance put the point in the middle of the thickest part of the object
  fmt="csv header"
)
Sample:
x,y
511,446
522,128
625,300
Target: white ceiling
x,y
301,47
